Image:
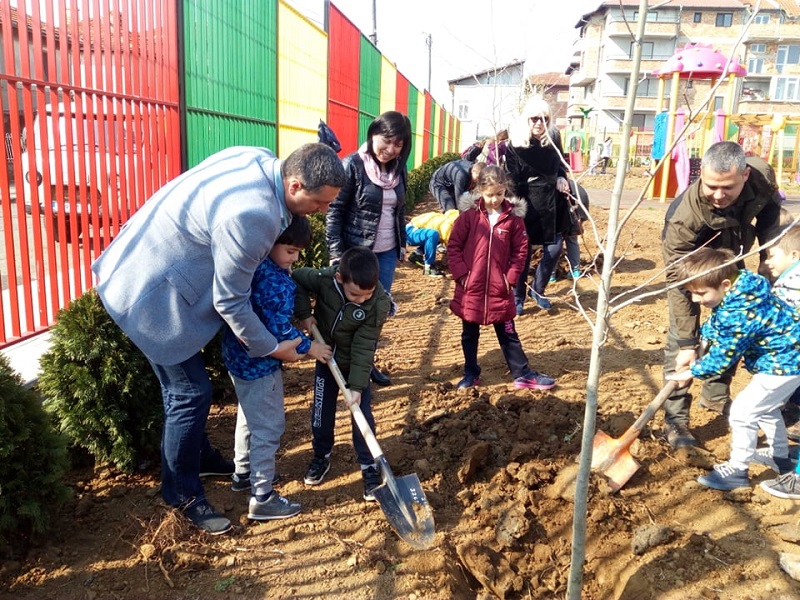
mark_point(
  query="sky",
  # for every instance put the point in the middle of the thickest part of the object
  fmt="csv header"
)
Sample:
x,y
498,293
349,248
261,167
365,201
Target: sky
x,y
467,36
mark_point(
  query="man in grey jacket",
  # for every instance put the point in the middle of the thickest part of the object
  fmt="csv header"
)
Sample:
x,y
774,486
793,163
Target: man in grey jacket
x,y
182,266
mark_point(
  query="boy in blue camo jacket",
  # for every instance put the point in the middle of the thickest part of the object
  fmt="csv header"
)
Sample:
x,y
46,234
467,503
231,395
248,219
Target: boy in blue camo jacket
x,y
747,321
261,420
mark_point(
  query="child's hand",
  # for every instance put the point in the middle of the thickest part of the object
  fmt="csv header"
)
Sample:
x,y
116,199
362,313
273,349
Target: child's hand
x,y
307,323
322,352
355,399
683,378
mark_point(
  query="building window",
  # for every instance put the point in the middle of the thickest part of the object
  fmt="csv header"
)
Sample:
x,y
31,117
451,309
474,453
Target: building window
x,y
755,66
724,19
647,50
758,48
698,17
463,111
647,88
761,19
787,89
787,55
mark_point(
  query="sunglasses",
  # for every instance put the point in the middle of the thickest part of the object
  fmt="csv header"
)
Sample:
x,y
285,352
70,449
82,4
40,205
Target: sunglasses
x,y
540,119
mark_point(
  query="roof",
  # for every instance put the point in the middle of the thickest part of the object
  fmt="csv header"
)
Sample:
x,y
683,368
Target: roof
x,y
790,7
552,79
515,63
679,4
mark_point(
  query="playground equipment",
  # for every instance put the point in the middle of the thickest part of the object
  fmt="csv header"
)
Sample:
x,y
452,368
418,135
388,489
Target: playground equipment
x,y
693,61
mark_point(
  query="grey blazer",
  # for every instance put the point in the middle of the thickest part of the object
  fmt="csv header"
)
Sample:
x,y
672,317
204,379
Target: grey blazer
x,y
183,264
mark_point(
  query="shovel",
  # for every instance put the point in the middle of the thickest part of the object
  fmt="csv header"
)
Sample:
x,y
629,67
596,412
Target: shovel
x,y
612,457
401,498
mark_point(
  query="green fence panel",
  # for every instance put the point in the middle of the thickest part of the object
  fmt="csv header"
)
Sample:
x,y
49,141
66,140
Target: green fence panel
x,y
369,88
230,75
413,95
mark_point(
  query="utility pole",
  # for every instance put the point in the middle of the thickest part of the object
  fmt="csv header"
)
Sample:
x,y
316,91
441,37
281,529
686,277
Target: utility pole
x,y
374,36
429,44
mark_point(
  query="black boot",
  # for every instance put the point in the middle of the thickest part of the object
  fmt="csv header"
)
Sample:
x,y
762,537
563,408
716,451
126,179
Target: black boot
x,y
379,378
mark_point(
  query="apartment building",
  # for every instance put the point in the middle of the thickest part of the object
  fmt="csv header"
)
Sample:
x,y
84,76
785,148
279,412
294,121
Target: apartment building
x,y
600,71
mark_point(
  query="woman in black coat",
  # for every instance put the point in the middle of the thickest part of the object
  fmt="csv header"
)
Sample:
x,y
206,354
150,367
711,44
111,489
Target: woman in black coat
x,y
538,172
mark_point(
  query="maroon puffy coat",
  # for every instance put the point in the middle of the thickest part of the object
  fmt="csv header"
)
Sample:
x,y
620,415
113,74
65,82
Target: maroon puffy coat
x,y
490,259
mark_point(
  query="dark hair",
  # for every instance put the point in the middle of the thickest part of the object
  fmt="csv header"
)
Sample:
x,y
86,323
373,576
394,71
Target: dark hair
x,y
315,165
391,124
359,265
491,175
297,234
707,259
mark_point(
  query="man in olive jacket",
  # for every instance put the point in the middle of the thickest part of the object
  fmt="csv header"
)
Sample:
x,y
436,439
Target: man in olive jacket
x,y
734,201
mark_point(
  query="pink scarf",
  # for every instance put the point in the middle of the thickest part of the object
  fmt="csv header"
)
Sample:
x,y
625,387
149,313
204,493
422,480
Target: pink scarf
x,y
384,180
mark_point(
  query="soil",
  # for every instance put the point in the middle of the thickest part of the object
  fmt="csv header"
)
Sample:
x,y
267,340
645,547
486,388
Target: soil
x,y
495,464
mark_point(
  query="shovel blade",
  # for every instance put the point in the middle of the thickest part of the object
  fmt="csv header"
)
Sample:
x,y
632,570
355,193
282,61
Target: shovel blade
x,y
407,510
612,458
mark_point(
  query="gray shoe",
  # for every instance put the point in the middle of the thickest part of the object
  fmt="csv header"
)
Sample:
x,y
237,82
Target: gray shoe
x,y
763,456
274,507
202,514
679,436
786,486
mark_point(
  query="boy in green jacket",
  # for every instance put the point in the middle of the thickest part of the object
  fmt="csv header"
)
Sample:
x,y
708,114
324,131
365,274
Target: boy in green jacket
x,y
350,310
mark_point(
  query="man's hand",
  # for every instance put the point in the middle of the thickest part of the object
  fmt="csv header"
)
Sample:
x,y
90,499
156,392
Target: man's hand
x,y
322,352
287,351
682,378
685,358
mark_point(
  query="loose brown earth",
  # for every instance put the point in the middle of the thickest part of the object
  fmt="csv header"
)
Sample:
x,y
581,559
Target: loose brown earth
x,y
491,461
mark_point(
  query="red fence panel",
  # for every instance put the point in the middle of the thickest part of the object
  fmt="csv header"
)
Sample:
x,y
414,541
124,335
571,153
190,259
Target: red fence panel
x,y
344,50
89,98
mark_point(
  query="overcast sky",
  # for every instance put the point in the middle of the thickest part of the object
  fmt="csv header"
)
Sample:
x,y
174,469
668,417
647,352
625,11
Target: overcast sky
x,y
467,35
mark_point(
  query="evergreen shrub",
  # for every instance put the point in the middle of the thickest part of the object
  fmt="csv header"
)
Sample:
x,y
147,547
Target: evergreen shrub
x,y
419,179
33,461
100,387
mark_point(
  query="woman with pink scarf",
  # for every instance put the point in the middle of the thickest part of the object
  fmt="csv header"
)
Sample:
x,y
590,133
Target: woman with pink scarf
x,y
370,209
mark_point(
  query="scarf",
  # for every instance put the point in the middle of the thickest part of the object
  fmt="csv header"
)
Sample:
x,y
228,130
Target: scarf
x,y
384,180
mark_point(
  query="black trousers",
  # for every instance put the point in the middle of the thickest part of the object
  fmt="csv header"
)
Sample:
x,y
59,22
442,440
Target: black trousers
x,y
509,343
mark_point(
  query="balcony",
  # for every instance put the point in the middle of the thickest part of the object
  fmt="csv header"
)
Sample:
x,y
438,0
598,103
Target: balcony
x,y
581,77
623,64
772,32
668,27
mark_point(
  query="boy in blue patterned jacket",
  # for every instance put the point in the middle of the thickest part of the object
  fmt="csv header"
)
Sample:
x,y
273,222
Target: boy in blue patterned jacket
x,y
260,420
747,321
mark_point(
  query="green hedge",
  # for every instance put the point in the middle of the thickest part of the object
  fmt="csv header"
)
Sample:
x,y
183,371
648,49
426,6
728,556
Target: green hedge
x,y
33,461
420,178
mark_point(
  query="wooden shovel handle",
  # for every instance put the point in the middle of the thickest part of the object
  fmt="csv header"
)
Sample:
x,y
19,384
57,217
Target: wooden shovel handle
x,y
634,430
355,409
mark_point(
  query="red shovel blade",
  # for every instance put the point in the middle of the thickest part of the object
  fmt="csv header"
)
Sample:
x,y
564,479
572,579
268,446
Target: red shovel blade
x,y
610,456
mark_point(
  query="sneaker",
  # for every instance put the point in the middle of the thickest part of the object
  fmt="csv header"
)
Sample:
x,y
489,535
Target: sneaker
x,y
679,436
241,483
534,380
215,464
415,258
202,515
725,478
319,467
519,305
786,486
274,507
576,274
468,381
552,278
372,479
432,272
763,456
541,301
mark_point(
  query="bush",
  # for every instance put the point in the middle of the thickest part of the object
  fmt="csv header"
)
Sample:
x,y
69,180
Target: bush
x,y
33,461
420,178
100,387
316,255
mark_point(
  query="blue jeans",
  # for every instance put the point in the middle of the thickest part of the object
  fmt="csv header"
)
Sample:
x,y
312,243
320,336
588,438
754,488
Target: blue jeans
x,y
551,254
186,391
573,252
428,239
387,264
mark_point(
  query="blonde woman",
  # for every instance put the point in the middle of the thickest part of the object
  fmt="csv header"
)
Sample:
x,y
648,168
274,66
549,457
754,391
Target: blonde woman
x,y
538,173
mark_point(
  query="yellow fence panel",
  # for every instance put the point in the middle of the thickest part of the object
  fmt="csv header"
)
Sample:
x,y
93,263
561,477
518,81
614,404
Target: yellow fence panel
x,y
388,85
419,129
302,79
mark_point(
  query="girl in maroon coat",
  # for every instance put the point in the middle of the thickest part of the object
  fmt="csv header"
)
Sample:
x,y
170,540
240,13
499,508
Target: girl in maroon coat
x,y
486,254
